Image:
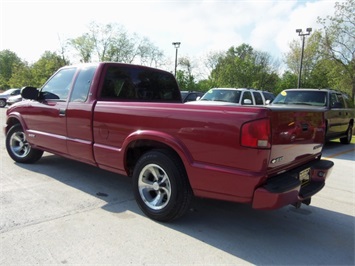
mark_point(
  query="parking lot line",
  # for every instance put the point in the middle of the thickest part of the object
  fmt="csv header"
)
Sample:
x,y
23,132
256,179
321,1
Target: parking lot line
x,y
339,153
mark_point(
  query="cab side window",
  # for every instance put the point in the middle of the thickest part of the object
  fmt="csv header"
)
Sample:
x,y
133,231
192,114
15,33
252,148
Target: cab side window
x,y
125,83
341,100
247,98
258,98
58,87
336,101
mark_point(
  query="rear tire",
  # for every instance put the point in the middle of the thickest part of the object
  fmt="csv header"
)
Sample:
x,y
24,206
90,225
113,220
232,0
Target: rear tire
x,y
161,186
349,134
18,148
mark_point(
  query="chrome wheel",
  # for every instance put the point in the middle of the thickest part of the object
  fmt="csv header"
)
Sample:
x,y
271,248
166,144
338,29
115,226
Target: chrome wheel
x,y
18,148
160,184
19,145
154,186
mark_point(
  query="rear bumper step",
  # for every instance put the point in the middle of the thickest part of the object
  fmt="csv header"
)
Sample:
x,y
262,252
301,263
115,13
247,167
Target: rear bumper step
x,y
287,188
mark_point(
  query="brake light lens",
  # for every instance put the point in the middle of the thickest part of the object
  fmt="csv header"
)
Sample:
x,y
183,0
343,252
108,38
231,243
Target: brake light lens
x,y
256,134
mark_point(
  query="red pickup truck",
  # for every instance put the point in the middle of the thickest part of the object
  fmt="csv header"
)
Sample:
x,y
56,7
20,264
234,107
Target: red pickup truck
x,y
131,120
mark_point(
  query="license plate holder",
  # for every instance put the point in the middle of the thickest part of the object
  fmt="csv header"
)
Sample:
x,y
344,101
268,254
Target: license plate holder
x,y
304,176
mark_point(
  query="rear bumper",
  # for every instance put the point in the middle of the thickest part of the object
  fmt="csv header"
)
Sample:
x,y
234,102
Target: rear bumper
x,y
286,188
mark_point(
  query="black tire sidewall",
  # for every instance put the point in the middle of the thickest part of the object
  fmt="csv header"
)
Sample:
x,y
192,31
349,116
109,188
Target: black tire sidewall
x,y
34,154
347,139
176,175
2,103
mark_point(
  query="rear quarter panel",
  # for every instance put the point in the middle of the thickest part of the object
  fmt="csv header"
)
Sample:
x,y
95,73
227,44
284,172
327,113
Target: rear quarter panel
x,y
206,138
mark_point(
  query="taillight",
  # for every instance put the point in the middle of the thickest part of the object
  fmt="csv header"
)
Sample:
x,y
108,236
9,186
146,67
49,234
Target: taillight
x,y
256,134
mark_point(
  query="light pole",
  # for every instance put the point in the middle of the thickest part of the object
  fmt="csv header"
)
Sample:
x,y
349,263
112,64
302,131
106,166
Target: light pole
x,y
177,46
300,33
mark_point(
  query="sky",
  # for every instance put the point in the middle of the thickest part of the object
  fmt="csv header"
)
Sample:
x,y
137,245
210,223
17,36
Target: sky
x,y
29,28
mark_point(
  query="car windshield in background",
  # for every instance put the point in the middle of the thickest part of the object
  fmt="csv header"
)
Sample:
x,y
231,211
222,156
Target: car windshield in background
x,y
222,95
314,98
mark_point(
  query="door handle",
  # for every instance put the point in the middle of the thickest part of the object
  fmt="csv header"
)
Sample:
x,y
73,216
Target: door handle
x,y
62,112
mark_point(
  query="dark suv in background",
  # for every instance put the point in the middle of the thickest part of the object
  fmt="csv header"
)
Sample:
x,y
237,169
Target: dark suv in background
x,y
338,109
189,96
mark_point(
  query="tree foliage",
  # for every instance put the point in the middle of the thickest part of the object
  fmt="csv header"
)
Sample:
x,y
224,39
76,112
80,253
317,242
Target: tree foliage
x,y
242,66
111,42
36,74
84,46
9,62
184,75
45,67
328,59
338,41
310,60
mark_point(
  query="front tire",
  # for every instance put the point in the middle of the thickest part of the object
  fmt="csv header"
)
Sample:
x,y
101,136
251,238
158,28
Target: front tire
x,y
161,186
18,148
349,134
2,103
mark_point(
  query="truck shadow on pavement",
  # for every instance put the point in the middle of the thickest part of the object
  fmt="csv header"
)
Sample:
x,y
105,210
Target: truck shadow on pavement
x,y
306,236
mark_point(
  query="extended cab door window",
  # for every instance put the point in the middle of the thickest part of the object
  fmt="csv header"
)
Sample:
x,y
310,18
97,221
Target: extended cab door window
x,y
82,84
79,117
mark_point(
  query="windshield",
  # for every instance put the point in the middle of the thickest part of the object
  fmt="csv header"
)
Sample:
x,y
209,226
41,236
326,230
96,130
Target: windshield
x,y
222,95
315,98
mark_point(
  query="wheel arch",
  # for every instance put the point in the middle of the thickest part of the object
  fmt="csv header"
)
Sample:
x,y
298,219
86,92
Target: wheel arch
x,y
12,120
141,142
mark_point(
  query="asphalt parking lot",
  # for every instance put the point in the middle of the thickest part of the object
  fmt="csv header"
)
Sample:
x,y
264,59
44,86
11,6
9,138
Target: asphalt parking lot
x,y
62,212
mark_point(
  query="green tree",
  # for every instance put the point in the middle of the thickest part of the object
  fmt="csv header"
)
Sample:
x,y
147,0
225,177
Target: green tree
x,y
22,76
9,61
243,66
338,42
84,45
310,60
287,81
45,67
111,42
184,76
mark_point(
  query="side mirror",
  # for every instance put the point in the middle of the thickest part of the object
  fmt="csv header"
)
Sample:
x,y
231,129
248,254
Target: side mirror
x,y
30,93
247,101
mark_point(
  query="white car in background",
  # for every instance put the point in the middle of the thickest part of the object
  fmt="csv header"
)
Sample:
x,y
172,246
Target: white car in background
x,y
239,96
14,99
6,94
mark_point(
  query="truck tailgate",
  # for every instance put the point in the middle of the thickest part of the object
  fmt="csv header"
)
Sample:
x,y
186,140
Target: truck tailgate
x,y
297,135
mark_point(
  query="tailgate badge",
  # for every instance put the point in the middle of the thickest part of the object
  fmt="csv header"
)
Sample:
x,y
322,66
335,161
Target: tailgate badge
x,y
317,147
276,160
